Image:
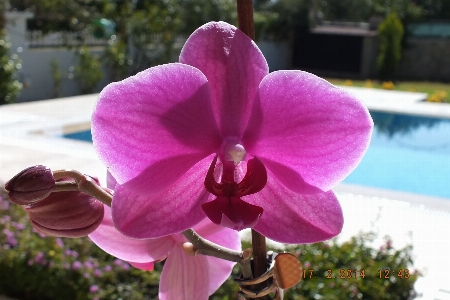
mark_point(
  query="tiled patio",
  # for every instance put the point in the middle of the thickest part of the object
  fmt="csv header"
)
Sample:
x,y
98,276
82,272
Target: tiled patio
x,y
29,135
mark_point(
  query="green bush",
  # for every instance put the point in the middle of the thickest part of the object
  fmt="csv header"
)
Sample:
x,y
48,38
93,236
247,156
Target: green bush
x,y
343,271
391,35
88,72
9,85
34,266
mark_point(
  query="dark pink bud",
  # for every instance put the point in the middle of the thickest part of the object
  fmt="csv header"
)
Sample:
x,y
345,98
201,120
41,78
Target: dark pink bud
x,y
66,214
31,185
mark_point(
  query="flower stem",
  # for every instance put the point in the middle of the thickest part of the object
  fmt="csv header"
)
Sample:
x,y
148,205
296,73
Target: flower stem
x,y
259,254
245,17
206,247
246,25
79,182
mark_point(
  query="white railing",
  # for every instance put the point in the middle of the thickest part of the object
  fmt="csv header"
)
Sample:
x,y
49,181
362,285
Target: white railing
x,y
37,39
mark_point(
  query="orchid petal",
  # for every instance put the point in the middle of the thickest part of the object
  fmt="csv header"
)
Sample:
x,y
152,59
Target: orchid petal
x,y
296,218
162,174
184,277
172,211
313,132
234,66
110,181
143,266
135,251
219,269
153,116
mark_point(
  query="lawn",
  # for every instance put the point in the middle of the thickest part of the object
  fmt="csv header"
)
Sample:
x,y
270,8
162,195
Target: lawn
x,y
437,91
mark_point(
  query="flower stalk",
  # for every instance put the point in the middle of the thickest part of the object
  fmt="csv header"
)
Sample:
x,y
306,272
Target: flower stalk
x,y
245,17
81,183
246,25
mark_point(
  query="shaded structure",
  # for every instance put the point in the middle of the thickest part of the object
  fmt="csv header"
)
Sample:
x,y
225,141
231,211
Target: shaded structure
x,y
338,49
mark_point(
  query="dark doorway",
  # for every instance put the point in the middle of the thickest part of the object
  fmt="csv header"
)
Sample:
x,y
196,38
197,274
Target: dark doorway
x,y
328,52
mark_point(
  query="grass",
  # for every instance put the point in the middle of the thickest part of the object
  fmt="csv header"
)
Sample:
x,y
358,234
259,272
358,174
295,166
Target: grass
x,y
437,92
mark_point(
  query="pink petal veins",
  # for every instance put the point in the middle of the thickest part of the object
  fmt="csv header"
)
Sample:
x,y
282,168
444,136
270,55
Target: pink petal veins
x,y
171,211
295,218
234,66
157,114
315,131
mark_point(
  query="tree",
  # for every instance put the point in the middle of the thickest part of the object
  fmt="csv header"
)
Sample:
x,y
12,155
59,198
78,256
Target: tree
x,y
60,15
280,19
88,71
9,85
391,35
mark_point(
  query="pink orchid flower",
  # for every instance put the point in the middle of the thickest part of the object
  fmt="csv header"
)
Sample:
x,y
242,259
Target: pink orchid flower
x,y
183,276
282,141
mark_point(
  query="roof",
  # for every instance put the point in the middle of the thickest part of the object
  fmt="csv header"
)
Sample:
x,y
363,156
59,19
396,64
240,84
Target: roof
x,y
344,28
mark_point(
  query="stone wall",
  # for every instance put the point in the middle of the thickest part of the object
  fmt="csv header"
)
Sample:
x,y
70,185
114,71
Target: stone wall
x,y
425,59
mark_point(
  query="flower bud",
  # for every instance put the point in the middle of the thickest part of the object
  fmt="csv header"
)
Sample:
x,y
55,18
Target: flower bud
x,y
66,214
31,185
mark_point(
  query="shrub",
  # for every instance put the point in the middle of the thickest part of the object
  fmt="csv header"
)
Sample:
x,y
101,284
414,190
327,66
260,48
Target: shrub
x,y
34,266
9,85
439,96
391,35
88,72
387,85
343,271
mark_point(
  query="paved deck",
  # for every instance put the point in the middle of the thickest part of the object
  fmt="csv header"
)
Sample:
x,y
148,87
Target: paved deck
x,y
29,135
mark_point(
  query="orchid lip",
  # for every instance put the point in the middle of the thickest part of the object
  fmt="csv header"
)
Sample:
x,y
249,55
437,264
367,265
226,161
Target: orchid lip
x,y
228,209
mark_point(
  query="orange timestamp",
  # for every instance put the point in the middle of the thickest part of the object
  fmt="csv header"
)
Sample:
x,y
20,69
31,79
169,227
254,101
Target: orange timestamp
x,y
340,274
386,273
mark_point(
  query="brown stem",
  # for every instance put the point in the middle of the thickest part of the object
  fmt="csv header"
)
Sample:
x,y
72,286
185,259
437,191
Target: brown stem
x,y
259,254
246,25
245,17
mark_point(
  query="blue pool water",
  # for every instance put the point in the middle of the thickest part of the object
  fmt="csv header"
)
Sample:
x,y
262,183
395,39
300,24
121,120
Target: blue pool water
x,y
407,153
81,135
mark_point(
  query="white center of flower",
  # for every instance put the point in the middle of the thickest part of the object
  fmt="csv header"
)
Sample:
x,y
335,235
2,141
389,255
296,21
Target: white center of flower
x,y
234,152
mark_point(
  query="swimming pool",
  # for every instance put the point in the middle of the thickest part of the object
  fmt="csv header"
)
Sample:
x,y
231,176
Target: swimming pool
x,y
406,153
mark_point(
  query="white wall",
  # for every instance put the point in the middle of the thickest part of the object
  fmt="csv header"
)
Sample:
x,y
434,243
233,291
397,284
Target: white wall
x,y
36,62
36,71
